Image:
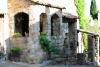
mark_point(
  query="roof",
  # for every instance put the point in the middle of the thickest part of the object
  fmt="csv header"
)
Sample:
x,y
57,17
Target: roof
x,y
47,4
70,16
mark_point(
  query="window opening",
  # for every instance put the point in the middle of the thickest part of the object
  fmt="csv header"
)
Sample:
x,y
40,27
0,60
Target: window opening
x,y
22,23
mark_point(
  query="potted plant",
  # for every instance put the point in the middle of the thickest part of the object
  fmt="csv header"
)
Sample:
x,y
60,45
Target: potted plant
x,y
15,54
17,35
26,34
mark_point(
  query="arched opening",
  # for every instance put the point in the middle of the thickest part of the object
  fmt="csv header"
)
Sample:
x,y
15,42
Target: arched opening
x,y
22,23
43,22
55,25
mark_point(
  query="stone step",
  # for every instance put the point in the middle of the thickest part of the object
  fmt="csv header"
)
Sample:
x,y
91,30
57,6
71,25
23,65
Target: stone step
x,y
48,62
59,56
60,59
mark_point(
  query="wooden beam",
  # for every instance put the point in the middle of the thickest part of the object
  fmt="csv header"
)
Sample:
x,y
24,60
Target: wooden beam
x,y
83,31
47,4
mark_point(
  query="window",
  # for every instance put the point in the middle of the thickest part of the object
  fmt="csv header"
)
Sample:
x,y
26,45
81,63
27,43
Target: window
x,y
55,25
43,22
22,23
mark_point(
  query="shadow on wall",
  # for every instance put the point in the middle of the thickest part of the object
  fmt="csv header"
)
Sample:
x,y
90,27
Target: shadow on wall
x,y
31,48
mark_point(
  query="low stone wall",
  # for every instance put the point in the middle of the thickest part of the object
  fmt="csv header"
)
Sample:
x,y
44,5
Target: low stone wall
x,y
30,52
20,42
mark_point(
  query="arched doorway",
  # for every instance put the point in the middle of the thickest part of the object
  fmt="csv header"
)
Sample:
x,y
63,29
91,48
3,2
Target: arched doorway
x,y
21,23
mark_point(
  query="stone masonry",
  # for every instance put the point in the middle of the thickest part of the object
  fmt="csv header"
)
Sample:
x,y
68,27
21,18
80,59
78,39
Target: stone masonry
x,y
62,35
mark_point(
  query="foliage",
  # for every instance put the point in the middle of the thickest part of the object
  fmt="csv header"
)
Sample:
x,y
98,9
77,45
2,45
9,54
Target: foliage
x,y
54,48
15,49
89,56
80,5
17,35
26,33
93,9
43,33
47,44
94,28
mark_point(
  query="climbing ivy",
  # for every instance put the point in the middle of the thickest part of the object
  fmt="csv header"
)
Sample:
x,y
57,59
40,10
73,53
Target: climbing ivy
x,y
80,5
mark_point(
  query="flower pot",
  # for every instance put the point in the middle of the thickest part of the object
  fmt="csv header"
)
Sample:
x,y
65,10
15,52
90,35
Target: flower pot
x,y
15,56
15,53
27,34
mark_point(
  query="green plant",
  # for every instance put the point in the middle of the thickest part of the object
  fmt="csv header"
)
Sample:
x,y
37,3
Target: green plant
x,y
17,35
15,49
93,9
54,48
43,33
86,55
80,5
44,42
94,28
47,44
65,63
90,56
25,33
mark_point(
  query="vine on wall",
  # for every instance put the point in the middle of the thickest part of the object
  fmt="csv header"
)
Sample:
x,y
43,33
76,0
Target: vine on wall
x,y
80,5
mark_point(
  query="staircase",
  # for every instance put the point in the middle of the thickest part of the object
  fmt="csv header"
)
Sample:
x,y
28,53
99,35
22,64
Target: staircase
x,y
56,59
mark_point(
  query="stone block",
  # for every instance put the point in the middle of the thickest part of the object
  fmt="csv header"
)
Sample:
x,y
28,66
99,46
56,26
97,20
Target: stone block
x,y
24,51
49,27
53,41
54,33
48,32
60,37
58,41
60,45
60,59
49,62
49,37
54,37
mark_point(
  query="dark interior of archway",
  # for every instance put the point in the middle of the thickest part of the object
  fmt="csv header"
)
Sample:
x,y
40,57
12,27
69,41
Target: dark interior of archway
x,y
53,19
21,23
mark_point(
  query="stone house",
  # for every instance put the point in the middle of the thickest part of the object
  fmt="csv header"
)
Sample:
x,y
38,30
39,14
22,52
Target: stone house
x,y
33,17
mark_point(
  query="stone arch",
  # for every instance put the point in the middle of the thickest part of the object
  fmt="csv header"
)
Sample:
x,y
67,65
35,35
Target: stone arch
x,y
43,22
55,25
21,23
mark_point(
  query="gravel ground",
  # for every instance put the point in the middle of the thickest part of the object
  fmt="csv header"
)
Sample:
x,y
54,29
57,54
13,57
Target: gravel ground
x,y
19,64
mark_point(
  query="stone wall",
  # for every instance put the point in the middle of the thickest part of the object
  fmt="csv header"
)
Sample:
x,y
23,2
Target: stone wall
x,y
34,52
90,46
70,40
21,42
93,48
97,49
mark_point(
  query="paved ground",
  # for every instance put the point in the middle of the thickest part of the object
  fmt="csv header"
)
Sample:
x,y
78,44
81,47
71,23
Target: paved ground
x,y
19,64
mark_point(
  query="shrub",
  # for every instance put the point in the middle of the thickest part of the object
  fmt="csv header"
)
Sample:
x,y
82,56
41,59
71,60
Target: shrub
x,y
47,44
15,49
80,5
17,35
